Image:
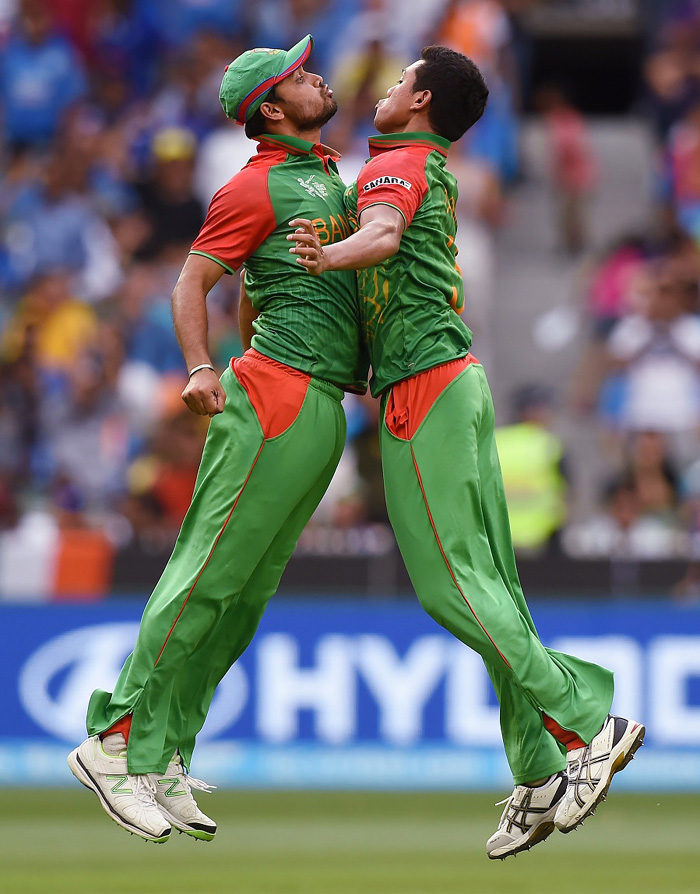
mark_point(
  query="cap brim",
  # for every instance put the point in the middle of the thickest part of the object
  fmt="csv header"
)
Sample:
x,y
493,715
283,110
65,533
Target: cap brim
x,y
295,57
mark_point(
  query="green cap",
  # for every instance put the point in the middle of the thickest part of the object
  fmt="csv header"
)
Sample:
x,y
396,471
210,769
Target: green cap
x,y
250,77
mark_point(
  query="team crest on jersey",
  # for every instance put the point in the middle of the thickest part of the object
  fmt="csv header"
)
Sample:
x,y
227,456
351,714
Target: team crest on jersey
x,y
386,181
313,187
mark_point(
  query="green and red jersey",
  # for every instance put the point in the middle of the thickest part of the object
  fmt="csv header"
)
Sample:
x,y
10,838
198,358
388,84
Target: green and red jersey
x,y
307,322
410,303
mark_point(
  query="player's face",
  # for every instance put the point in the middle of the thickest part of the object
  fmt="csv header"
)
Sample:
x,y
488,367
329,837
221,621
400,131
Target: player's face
x,y
306,100
394,112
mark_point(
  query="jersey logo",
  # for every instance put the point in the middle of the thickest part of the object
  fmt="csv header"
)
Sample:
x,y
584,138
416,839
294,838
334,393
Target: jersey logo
x,y
386,181
313,187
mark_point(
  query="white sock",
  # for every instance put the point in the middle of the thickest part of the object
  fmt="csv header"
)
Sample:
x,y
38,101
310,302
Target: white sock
x,y
114,744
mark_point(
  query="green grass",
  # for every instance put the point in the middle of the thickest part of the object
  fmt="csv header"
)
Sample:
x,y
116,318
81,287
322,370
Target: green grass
x,y
345,843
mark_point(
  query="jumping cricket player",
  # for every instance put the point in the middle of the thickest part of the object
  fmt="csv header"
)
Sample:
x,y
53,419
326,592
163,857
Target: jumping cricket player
x,y
443,483
276,435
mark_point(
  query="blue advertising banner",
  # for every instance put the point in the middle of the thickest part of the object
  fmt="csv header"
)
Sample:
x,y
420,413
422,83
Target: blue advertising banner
x,y
351,694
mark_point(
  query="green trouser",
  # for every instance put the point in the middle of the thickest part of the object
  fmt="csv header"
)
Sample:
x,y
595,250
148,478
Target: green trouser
x,y
447,506
253,496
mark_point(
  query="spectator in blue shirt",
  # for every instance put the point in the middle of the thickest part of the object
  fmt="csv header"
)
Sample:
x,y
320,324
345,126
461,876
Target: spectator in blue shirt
x,y
40,77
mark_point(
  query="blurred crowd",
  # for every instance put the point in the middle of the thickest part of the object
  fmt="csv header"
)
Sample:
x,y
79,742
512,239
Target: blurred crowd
x,y
639,378
113,142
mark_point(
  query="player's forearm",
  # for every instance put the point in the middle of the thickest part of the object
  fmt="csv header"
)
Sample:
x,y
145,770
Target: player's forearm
x,y
374,242
189,305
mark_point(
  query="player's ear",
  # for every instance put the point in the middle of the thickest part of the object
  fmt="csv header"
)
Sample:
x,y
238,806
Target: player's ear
x,y
421,100
272,111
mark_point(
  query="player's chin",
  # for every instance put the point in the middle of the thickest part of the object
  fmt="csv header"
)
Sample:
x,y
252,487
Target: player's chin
x,y
331,108
325,116
381,123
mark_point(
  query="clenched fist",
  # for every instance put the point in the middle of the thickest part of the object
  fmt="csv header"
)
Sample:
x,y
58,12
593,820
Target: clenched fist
x,y
204,394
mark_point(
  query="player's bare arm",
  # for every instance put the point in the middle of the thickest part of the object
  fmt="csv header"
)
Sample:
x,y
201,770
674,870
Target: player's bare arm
x,y
246,315
203,393
379,237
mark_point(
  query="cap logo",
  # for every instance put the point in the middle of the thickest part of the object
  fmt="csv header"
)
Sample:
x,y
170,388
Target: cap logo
x,y
266,50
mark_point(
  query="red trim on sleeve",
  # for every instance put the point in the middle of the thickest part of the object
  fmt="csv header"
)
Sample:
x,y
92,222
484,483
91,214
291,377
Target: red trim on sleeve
x,y
240,216
394,178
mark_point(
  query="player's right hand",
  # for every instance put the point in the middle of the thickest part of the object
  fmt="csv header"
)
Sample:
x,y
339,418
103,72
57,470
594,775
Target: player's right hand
x,y
204,394
308,246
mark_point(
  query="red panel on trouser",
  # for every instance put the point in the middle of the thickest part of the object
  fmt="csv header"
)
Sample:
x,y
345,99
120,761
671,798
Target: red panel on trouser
x,y
275,391
411,399
122,726
565,736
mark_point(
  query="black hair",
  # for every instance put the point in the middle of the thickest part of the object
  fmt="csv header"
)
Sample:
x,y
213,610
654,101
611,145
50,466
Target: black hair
x,y
458,89
258,124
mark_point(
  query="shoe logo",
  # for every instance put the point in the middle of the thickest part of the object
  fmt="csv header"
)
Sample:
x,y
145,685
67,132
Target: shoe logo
x,y
117,787
173,783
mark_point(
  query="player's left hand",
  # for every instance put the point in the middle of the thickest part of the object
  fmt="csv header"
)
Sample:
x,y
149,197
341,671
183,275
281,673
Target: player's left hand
x,y
307,246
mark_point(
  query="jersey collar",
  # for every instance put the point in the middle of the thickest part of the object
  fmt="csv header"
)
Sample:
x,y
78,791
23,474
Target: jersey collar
x,y
383,142
297,146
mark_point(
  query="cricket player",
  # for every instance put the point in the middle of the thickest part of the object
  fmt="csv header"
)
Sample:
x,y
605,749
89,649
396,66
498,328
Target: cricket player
x,y
443,483
276,435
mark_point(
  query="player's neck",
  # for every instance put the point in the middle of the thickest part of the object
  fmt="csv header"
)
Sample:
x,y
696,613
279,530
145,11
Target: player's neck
x,y
419,123
310,136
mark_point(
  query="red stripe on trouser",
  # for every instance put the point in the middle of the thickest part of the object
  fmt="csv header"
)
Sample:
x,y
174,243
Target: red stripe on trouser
x,y
211,553
447,563
565,736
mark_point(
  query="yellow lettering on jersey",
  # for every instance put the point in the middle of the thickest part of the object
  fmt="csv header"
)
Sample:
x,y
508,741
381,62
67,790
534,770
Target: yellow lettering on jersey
x,y
451,206
457,301
346,226
324,236
336,230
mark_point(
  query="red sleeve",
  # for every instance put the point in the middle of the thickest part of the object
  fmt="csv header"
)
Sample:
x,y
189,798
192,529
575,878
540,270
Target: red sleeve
x,y
239,219
395,178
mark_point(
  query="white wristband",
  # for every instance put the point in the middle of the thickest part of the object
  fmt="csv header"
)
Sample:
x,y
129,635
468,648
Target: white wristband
x,y
201,366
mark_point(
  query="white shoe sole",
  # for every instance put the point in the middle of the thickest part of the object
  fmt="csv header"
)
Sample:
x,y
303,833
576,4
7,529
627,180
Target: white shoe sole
x,y
534,836
200,833
620,756
81,773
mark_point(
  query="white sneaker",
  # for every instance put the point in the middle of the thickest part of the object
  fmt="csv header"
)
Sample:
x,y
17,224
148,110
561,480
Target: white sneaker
x,y
129,799
174,797
528,817
592,768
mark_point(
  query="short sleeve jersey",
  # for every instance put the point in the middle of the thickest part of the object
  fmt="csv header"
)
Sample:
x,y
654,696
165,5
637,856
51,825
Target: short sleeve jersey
x,y
410,303
310,323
